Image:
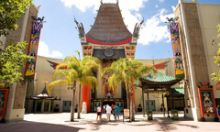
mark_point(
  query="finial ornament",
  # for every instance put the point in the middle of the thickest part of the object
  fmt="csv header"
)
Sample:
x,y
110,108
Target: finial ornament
x,y
117,2
40,19
137,28
80,28
101,2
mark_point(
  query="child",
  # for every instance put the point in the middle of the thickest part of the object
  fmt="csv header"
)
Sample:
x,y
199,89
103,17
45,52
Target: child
x,y
99,113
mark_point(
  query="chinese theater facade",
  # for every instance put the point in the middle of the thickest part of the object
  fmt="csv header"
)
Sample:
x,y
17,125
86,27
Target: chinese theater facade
x,y
109,40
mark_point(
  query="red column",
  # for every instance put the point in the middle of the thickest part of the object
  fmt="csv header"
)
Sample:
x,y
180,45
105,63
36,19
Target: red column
x,y
86,96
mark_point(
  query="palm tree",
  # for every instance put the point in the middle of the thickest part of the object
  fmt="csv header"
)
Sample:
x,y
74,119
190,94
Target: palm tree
x,y
72,71
127,71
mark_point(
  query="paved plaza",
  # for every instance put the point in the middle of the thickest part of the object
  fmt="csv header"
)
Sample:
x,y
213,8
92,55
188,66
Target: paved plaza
x,y
60,123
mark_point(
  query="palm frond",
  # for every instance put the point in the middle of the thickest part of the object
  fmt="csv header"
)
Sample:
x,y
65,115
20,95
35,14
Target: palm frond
x,y
114,82
89,80
61,66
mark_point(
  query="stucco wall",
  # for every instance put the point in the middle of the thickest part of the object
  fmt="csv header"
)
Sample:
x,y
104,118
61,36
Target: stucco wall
x,y
209,16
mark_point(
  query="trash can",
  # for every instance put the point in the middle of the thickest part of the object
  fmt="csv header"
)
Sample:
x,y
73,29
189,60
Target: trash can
x,y
174,115
150,115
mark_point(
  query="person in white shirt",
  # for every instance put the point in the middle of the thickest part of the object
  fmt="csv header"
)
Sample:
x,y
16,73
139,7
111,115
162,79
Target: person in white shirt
x,y
99,113
108,112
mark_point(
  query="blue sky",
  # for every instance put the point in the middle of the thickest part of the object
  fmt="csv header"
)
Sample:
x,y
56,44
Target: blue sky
x,y
59,37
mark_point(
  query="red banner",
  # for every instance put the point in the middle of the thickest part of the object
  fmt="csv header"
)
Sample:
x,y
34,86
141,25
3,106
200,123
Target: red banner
x,y
207,101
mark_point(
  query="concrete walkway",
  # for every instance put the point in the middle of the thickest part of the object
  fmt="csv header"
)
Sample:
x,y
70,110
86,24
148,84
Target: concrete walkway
x,y
60,123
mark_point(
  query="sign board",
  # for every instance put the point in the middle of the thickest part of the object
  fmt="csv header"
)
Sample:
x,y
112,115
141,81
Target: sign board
x,y
125,114
207,102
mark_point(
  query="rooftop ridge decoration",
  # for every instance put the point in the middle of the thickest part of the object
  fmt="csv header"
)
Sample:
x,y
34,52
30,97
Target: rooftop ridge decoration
x,y
80,28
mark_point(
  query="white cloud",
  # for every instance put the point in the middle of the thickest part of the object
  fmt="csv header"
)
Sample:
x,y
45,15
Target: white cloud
x,y
83,5
44,50
153,30
173,8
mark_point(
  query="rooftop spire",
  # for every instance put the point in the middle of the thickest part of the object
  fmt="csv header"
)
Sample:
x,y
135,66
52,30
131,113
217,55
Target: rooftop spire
x,y
109,26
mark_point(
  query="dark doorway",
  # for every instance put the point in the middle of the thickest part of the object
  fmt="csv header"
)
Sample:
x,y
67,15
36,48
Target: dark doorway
x,y
110,103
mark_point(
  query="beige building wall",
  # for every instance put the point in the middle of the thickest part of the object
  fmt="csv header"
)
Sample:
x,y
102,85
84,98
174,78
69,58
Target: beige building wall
x,y
209,15
44,75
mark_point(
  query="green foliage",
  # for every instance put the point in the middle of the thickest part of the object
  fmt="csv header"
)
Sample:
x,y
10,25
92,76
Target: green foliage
x,y
10,12
216,75
75,70
127,71
11,63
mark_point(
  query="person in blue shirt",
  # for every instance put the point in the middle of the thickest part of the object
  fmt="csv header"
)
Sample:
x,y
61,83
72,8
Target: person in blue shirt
x,y
117,111
218,112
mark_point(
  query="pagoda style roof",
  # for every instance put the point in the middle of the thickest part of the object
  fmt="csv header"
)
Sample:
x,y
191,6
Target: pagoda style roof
x,y
159,77
53,64
43,95
109,27
161,65
158,81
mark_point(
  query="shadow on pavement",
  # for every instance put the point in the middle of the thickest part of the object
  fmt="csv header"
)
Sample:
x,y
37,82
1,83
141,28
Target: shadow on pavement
x,y
95,125
168,124
27,126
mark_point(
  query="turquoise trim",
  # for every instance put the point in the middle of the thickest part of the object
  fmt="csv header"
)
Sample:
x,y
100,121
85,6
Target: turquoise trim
x,y
159,77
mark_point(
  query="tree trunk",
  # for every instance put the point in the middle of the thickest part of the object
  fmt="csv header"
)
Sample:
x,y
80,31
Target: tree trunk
x,y
132,110
130,106
79,102
73,106
132,102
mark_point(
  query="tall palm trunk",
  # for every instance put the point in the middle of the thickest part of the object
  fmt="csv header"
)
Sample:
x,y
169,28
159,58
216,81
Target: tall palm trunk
x,y
132,101
79,102
73,106
131,106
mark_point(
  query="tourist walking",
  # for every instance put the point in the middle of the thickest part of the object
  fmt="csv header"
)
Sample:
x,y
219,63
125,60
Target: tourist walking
x,y
99,113
117,111
108,112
